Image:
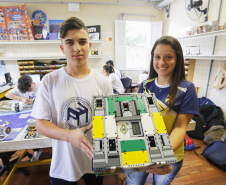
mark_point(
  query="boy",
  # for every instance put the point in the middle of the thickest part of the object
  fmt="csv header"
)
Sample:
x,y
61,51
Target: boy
x,y
25,92
63,108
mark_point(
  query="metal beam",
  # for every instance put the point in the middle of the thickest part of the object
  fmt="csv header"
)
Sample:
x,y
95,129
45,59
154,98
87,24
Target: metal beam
x,y
152,3
211,62
164,3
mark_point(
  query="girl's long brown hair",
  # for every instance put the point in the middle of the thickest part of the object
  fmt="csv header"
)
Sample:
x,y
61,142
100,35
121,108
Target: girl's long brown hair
x,y
178,74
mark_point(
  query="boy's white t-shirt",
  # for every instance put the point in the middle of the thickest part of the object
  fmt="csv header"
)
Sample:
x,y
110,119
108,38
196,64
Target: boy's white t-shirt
x,y
117,73
28,95
142,77
67,102
116,82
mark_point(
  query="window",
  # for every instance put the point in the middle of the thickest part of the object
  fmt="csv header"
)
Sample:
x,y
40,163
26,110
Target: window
x,y
138,42
133,43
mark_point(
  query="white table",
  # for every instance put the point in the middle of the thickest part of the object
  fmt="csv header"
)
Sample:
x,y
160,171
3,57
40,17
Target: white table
x,y
19,143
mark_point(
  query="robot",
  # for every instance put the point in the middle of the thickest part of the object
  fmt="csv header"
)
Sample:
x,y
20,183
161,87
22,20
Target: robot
x,y
4,131
31,130
129,134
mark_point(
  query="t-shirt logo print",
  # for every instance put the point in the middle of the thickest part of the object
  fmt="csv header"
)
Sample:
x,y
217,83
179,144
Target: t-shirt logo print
x,y
76,113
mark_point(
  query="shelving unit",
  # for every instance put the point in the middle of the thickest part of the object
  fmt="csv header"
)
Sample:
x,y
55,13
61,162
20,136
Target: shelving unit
x,y
33,67
41,42
35,50
30,54
205,35
209,43
33,58
207,57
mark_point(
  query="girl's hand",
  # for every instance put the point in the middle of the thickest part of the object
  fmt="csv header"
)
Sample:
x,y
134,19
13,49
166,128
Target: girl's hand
x,y
160,170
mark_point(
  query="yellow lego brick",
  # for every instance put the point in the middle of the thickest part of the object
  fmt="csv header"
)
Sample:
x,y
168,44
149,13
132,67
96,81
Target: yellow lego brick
x,y
159,122
98,127
137,157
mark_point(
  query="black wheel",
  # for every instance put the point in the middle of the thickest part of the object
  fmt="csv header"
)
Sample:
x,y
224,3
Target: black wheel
x,y
7,130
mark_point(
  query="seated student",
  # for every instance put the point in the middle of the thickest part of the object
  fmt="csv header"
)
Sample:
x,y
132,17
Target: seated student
x,y
117,85
116,71
143,77
25,92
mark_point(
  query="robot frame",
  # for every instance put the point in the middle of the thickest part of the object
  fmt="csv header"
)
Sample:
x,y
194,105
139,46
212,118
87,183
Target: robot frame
x,y
4,131
129,134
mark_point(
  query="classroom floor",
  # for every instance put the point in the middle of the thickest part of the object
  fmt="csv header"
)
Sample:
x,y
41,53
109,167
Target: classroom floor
x,y
195,171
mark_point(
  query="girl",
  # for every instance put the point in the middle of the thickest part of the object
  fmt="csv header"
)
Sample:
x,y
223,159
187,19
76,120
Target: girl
x,y
177,100
117,85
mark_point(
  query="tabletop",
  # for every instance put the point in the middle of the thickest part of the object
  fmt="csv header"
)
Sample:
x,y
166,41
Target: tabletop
x,y
6,87
18,124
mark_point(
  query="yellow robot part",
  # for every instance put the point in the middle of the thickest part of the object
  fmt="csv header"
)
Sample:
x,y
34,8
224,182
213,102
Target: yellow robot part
x,y
98,127
137,157
159,122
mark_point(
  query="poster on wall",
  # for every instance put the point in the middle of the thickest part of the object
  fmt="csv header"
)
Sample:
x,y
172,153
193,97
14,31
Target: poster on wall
x,y
94,32
18,24
54,29
3,30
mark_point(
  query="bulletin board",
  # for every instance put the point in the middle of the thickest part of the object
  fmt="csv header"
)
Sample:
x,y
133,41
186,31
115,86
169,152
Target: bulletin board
x,y
3,30
16,23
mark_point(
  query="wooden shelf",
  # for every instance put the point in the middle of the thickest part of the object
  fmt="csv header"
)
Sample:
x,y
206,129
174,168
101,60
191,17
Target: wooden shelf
x,y
207,34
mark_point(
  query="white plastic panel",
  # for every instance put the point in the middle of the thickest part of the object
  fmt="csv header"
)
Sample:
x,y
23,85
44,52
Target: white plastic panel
x,y
148,124
110,126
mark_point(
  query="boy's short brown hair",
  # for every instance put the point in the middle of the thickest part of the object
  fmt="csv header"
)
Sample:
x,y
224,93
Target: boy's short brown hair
x,y
70,24
24,83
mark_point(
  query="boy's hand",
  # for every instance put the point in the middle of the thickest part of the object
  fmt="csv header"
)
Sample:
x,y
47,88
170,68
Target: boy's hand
x,y
160,170
77,138
26,101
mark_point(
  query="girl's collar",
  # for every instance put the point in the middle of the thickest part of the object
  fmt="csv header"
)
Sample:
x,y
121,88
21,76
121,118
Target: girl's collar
x,y
161,86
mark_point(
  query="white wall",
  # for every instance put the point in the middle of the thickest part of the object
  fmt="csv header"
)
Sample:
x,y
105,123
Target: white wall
x,y
104,15
179,20
12,67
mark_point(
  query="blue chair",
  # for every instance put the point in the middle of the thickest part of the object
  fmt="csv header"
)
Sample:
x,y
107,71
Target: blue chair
x,y
126,81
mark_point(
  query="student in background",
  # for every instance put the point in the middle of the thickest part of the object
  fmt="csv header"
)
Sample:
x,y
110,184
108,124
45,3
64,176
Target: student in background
x,y
25,92
143,77
116,83
63,108
177,100
116,71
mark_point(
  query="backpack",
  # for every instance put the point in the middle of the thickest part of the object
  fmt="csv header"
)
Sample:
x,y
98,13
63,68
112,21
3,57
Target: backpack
x,y
189,143
215,133
215,153
200,126
215,119
205,100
